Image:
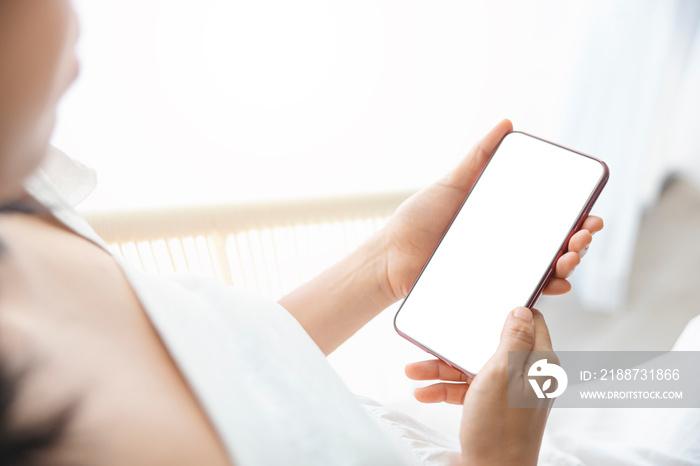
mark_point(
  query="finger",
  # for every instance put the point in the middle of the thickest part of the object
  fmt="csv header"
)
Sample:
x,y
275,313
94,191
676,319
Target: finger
x,y
452,393
466,173
566,264
593,224
580,240
518,332
434,369
557,286
543,341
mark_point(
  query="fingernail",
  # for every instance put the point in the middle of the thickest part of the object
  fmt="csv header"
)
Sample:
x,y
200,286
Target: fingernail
x,y
523,313
584,251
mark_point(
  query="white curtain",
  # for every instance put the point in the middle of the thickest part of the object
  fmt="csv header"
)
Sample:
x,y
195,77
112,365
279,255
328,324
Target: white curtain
x,y
633,101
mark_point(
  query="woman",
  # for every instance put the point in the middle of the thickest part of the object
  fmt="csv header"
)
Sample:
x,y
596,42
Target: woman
x,y
102,365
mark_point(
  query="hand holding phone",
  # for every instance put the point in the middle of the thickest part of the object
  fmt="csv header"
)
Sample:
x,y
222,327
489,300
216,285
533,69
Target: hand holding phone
x,y
530,189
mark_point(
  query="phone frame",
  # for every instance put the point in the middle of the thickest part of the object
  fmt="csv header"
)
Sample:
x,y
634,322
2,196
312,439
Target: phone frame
x,y
552,266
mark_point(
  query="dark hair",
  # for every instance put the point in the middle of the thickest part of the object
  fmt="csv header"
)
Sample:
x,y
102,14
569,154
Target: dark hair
x,y
31,443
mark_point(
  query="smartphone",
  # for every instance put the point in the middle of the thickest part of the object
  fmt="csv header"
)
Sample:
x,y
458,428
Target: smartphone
x,y
500,249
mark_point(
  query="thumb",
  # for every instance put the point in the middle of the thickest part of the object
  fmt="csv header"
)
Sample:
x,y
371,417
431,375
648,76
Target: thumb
x,y
518,332
468,170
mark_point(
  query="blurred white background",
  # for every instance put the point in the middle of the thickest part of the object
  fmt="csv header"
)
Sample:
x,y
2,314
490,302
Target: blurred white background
x,y
221,100
214,101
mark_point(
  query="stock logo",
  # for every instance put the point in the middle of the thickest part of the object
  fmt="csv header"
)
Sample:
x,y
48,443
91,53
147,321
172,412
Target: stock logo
x,y
543,369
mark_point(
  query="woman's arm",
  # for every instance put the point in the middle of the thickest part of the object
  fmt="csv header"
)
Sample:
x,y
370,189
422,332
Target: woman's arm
x,y
340,301
337,303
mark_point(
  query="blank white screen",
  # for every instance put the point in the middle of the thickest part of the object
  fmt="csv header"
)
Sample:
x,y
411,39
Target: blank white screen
x,y
498,249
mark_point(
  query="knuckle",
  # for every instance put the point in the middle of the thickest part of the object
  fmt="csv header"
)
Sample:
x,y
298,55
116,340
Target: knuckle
x,y
522,333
